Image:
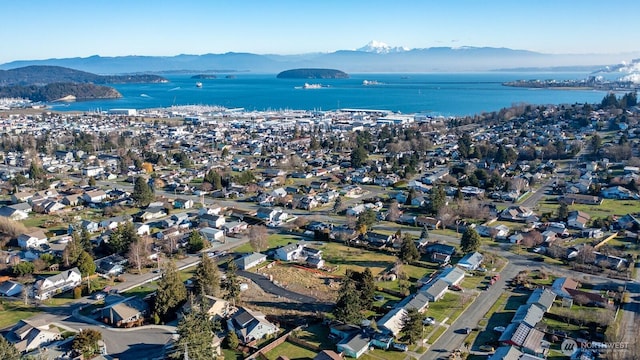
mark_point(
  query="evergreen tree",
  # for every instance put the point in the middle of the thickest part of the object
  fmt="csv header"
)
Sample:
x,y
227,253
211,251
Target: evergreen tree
x,y
122,237
348,305
142,193
412,325
337,206
563,211
367,218
85,241
359,156
424,234
470,241
206,279
171,293
7,350
196,333
232,339
437,199
232,284
367,289
408,250
196,242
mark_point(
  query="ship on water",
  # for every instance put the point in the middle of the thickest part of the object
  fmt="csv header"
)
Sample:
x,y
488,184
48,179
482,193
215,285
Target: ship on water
x,y
198,84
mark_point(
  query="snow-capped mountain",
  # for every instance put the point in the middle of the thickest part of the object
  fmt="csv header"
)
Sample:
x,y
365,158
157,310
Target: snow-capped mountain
x,y
379,47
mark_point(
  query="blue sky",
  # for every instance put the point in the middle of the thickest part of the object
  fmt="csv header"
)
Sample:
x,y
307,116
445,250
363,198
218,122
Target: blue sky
x,y
41,29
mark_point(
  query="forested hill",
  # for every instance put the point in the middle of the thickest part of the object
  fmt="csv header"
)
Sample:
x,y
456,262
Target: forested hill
x,y
44,74
58,91
312,74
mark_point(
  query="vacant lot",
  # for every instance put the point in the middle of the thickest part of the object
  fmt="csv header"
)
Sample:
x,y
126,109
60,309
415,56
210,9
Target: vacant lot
x,y
305,281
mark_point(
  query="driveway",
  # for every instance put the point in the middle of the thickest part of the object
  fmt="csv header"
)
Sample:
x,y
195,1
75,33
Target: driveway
x,y
265,284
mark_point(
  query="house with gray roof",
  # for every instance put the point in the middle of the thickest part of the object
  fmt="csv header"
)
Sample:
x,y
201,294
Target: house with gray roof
x,y
250,260
289,252
391,322
543,298
435,291
355,345
250,325
452,275
506,353
471,261
529,314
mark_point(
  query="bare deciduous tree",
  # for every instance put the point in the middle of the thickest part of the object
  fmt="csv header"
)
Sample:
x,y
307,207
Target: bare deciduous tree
x,y
258,238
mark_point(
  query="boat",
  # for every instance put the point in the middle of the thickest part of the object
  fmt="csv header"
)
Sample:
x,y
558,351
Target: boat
x,y
198,84
370,82
312,86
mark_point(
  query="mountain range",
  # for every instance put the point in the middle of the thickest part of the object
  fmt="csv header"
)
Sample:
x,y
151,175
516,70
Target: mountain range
x,y
373,57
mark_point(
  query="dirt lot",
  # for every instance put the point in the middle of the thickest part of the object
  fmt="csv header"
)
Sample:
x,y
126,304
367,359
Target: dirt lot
x,y
305,281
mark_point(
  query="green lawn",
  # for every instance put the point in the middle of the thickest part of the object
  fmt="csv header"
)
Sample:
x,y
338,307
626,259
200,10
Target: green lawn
x,y
436,333
445,307
232,355
377,354
607,208
12,312
292,351
316,335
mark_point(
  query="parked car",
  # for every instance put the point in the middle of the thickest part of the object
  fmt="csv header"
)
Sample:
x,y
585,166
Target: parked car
x,y
428,321
487,348
399,346
455,288
499,329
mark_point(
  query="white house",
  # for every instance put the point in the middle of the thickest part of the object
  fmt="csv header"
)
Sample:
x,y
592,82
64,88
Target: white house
x,y
95,196
32,239
48,287
392,321
250,325
12,213
92,170
289,252
212,234
471,261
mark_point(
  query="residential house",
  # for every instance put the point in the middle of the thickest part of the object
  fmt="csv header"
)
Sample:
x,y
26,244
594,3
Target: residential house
x,y
90,226
289,252
115,221
211,234
571,199
418,301
127,312
529,314
181,203
526,338
561,284
250,260
142,229
250,325
355,345
151,213
12,213
112,265
94,196
506,353
33,239
452,276
328,355
270,215
235,227
27,335
22,196
620,193
72,199
516,213
10,288
378,239
435,290
543,298
52,285
392,321
212,220
578,219
471,261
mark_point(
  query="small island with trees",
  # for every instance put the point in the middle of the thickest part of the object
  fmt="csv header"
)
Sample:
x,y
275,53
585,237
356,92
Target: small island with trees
x,y
204,76
312,74
52,83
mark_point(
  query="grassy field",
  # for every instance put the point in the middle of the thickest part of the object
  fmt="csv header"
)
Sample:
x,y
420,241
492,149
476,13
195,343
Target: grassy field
x,y
232,355
12,312
355,258
377,354
445,307
436,333
316,335
292,351
607,208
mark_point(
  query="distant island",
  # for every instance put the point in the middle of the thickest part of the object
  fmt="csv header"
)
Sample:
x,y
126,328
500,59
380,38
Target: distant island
x,y
59,92
312,74
204,76
591,83
44,74
52,83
